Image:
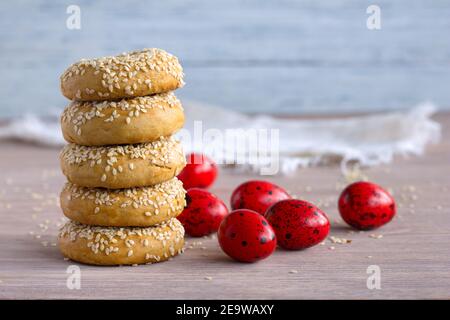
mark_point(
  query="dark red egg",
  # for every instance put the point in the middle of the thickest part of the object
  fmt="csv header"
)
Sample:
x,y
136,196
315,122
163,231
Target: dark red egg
x,y
200,171
246,236
257,195
365,205
298,224
203,213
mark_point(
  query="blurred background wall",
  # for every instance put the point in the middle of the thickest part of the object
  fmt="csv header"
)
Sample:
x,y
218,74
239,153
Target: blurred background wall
x,y
291,57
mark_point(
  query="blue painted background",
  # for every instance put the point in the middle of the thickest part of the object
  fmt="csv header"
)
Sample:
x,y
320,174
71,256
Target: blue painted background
x,y
290,57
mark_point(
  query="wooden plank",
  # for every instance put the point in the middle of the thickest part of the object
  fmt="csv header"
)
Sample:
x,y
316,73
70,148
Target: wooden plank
x,y
413,254
290,56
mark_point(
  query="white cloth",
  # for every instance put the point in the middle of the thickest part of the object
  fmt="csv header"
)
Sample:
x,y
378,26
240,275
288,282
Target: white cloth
x,y
369,140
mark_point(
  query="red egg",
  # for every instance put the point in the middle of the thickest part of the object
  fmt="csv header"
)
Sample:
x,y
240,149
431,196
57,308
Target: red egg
x,y
298,224
365,205
200,171
203,213
246,236
257,196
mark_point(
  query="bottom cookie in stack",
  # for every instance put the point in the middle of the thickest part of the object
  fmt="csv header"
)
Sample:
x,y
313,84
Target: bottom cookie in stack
x,y
121,245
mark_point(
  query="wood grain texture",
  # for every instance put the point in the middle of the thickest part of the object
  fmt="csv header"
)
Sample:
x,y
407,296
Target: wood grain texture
x,y
276,57
413,254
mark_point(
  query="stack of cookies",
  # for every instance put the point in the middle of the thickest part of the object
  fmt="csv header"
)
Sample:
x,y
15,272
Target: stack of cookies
x,y
121,163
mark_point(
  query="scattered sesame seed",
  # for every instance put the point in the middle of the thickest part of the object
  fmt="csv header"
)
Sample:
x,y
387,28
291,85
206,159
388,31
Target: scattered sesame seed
x,y
339,240
122,71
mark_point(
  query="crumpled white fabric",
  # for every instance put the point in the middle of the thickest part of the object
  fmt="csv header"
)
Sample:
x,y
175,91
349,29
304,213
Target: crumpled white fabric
x,y
368,140
33,129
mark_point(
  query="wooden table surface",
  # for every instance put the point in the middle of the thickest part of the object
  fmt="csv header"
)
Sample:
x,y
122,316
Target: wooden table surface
x,y
413,253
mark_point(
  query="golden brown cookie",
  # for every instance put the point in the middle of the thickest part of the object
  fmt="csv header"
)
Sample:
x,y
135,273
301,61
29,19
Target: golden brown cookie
x,y
127,121
125,166
121,246
139,207
132,74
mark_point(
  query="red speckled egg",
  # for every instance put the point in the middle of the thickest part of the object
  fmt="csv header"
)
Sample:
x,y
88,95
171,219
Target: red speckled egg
x,y
257,196
298,224
246,236
200,171
203,213
365,205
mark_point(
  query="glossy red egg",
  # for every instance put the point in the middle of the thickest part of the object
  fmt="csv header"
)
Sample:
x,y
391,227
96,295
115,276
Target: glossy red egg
x,y
365,205
203,213
257,195
298,224
246,236
200,171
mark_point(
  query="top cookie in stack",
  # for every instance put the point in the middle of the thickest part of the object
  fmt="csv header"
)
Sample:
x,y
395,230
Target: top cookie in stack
x,y
121,160
133,74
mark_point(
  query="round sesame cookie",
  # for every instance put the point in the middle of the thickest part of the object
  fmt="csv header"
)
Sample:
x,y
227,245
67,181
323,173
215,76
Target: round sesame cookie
x,y
138,207
132,74
127,121
123,166
121,246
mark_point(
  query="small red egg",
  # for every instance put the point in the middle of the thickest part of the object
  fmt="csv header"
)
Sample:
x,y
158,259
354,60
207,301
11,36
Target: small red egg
x,y
257,196
298,224
200,171
365,205
203,213
246,236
